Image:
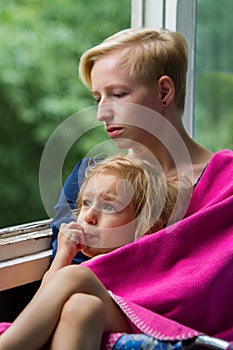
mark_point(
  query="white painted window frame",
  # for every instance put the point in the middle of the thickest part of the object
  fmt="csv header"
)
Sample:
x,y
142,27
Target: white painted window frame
x,y
175,15
25,252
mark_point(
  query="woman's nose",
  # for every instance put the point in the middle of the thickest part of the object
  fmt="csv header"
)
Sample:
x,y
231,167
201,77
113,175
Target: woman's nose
x,y
104,112
91,216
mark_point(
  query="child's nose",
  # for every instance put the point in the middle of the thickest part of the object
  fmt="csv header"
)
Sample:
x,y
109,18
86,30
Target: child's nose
x,y
91,216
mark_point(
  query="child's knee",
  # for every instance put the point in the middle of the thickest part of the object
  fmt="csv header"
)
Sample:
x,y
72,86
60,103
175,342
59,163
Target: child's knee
x,y
84,308
74,272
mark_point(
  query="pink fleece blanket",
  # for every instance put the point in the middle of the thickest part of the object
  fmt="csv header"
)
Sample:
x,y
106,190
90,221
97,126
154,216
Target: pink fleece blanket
x,y
173,285
4,326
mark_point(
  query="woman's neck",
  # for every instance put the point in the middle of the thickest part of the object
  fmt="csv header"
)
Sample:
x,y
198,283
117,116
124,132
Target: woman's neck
x,y
177,155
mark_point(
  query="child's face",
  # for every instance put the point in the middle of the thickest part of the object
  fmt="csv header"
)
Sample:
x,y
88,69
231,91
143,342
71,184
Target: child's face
x,y
106,215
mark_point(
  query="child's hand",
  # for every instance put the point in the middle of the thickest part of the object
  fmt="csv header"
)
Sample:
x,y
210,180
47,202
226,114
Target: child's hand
x,y
70,242
70,238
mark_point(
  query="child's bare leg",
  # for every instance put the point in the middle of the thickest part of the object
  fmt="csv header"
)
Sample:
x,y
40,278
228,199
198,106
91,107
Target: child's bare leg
x,y
36,324
81,324
85,317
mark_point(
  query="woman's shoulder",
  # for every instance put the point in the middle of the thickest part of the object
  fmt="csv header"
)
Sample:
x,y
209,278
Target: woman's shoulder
x,y
215,184
83,164
218,175
78,175
220,166
221,163
224,155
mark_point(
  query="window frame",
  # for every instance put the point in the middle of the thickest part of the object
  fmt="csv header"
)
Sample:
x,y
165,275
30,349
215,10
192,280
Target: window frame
x,y
175,15
25,253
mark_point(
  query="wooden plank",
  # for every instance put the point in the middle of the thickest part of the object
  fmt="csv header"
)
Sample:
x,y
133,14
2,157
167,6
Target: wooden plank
x,y
20,245
24,228
25,252
16,272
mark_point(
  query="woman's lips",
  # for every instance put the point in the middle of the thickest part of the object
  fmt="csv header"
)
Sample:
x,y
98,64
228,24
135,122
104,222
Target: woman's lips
x,y
114,131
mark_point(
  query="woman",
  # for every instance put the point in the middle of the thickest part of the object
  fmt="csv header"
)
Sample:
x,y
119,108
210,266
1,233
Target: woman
x,y
138,78
147,69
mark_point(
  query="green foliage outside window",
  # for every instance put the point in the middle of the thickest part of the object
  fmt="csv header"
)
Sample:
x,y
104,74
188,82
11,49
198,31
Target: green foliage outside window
x,y
214,74
40,45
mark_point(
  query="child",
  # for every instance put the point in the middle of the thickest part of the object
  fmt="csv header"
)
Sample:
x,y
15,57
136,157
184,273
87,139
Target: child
x,y
137,195
121,199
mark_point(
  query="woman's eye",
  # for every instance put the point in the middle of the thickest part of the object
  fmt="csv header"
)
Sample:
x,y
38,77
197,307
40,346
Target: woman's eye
x,y
119,94
96,98
109,208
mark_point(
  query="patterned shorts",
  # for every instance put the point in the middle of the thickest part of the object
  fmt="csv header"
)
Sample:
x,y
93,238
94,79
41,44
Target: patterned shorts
x,y
144,342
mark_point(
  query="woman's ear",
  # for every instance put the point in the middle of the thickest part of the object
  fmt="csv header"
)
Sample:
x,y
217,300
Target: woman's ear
x,y
166,90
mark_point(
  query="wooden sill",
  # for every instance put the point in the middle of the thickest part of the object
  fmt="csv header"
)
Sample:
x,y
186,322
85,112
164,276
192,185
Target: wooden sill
x,y
25,252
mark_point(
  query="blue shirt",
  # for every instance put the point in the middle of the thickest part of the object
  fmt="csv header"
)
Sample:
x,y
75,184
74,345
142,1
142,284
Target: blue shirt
x,y
66,204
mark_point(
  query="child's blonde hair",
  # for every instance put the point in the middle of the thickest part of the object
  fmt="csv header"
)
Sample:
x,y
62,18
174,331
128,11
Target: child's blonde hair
x,y
153,197
147,55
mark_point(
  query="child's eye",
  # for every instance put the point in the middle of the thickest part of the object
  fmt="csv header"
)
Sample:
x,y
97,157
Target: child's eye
x,y
86,203
109,208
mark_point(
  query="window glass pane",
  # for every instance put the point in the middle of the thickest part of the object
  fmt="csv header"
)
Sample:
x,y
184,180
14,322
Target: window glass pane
x,y
214,74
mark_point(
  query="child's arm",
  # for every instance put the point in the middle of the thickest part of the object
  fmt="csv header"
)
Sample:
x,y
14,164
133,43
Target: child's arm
x,y
69,244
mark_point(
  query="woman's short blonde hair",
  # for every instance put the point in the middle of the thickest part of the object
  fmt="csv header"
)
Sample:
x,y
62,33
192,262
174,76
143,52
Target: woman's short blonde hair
x,y
153,197
147,55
